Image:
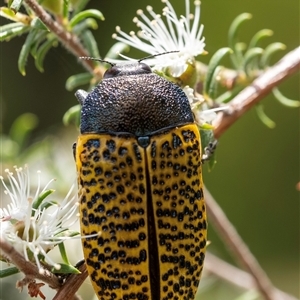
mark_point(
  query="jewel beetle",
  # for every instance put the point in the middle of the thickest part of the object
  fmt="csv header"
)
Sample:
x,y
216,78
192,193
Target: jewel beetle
x,y
142,210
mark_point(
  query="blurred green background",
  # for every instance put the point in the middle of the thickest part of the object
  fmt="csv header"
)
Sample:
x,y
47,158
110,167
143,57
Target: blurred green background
x,y
257,168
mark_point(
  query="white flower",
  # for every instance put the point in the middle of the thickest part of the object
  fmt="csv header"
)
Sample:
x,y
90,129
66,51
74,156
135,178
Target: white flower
x,y
182,34
202,114
34,227
207,116
194,101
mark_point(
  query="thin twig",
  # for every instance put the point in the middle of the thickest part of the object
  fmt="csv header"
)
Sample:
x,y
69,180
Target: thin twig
x,y
68,39
30,270
72,284
239,249
65,292
234,275
260,87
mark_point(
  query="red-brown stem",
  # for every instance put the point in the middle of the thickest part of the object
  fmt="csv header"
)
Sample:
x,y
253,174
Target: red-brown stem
x,y
259,88
238,248
68,39
235,276
72,284
30,270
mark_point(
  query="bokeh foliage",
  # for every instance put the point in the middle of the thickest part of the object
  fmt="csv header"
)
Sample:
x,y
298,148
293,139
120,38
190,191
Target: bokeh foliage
x,y
258,168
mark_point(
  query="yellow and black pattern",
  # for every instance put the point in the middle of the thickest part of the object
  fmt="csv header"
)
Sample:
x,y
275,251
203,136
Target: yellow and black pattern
x,y
174,164
147,206
112,178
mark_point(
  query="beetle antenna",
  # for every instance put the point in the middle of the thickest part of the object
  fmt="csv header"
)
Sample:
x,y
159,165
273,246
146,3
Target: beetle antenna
x,y
158,54
97,59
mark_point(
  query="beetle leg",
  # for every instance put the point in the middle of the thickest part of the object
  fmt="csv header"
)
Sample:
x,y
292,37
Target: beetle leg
x,y
209,151
74,150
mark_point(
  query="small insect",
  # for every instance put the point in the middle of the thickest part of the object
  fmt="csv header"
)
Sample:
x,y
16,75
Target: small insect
x,y
138,159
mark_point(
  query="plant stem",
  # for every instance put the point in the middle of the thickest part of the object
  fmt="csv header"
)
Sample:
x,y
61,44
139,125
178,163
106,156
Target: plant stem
x,y
235,276
30,270
259,88
72,284
67,39
239,249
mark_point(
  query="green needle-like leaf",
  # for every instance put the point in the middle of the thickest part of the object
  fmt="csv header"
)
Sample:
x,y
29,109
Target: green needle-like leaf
x,y
249,59
225,97
263,117
43,50
26,50
66,9
90,43
213,64
8,13
269,51
41,198
237,58
117,48
69,233
13,16
16,4
39,39
235,26
84,25
8,272
8,31
284,100
213,87
38,24
78,5
63,253
47,204
72,116
260,35
228,95
94,13
22,127
65,269
78,80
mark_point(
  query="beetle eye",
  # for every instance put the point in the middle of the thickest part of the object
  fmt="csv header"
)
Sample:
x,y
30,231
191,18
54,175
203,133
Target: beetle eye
x,y
144,68
112,72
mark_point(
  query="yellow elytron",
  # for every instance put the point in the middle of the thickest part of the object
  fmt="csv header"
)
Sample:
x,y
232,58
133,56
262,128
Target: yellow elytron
x,y
141,190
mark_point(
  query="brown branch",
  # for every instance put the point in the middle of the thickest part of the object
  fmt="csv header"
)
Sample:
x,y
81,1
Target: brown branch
x,y
65,292
72,284
30,270
68,39
259,88
239,249
233,275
